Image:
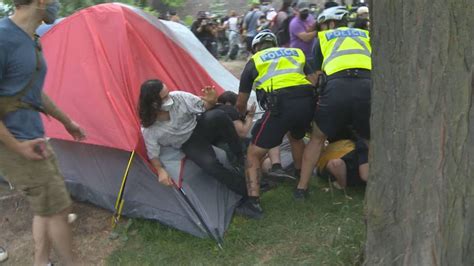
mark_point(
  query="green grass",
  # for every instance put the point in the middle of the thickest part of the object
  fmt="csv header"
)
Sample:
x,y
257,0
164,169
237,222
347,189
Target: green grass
x,y
326,229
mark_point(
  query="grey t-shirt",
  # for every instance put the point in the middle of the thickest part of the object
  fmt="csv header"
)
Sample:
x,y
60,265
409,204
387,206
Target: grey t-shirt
x,y
176,131
17,64
251,22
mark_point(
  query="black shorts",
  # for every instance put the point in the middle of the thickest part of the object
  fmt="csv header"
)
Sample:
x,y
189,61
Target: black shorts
x,y
352,169
344,102
295,117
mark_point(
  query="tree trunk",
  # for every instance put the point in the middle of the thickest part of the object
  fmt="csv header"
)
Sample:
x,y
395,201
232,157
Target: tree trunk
x,y
420,196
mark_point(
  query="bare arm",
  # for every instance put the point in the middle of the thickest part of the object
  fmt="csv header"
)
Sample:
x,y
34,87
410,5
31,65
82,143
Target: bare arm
x,y
163,176
242,100
307,36
26,149
243,127
6,137
53,110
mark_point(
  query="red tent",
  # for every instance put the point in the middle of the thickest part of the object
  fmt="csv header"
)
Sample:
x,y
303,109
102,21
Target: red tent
x,y
99,57
97,60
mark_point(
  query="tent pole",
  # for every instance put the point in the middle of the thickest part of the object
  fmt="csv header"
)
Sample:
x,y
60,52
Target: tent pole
x,y
201,220
119,202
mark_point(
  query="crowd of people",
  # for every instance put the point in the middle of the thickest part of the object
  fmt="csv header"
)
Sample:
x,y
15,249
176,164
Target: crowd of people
x,y
311,74
293,23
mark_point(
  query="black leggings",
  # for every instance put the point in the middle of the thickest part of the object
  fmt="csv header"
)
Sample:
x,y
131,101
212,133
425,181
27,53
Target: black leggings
x,y
212,127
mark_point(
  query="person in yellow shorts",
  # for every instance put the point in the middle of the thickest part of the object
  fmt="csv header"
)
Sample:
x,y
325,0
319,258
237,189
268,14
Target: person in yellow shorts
x,y
343,163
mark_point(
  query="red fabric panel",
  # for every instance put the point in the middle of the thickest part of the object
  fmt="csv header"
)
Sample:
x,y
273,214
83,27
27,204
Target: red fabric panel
x,y
97,60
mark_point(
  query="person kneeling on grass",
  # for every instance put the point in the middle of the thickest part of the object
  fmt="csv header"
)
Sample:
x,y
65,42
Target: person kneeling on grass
x,y
187,122
345,163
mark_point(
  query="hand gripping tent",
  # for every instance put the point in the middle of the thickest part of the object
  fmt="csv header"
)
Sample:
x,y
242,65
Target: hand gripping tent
x,y
97,60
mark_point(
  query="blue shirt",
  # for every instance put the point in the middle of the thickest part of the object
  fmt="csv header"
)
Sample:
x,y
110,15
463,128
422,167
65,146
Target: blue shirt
x,y
17,64
251,21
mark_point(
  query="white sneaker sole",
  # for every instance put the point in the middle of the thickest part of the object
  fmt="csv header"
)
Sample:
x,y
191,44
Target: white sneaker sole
x,y
281,176
3,254
71,218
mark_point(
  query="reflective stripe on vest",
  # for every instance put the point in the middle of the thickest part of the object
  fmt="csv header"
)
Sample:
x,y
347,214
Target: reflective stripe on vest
x,y
345,48
279,68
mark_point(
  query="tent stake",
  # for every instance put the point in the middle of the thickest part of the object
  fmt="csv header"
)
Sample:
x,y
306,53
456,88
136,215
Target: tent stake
x,y
119,203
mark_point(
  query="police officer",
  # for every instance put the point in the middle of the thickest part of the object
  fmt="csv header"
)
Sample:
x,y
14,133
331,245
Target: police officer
x,y
279,77
343,63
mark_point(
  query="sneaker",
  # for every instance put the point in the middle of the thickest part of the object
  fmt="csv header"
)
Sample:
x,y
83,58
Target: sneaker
x,y
3,254
300,194
279,174
250,210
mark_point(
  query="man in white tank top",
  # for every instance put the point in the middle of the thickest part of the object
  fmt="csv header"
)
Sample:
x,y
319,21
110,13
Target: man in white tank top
x,y
232,26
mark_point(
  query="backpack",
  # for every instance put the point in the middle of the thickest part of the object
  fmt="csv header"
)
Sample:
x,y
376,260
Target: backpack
x,y
283,32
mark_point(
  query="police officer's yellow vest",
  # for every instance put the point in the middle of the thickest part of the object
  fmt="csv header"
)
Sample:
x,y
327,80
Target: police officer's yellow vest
x,y
345,48
279,68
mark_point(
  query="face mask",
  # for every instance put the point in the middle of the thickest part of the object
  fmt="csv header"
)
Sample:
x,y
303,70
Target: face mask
x,y
304,15
166,105
51,12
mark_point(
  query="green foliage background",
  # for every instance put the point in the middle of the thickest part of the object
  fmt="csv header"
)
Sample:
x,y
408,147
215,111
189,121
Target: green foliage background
x,y
5,8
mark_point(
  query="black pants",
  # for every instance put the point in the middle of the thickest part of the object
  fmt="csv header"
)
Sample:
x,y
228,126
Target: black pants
x,y
345,102
212,127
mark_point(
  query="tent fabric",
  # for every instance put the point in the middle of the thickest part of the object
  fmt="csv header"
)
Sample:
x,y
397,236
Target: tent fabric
x,y
94,174
101,56
97,60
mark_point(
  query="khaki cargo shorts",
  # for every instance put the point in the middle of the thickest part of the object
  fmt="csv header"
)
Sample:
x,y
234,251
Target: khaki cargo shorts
x,y
40,181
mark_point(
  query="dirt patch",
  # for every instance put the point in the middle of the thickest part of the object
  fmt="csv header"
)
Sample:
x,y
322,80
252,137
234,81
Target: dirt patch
x,y
235,67
91,231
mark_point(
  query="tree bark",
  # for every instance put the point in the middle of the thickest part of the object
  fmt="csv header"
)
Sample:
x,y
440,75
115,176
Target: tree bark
x,y
420,195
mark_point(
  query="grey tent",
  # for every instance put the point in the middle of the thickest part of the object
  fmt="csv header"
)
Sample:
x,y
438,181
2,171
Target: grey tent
x,y
94,174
